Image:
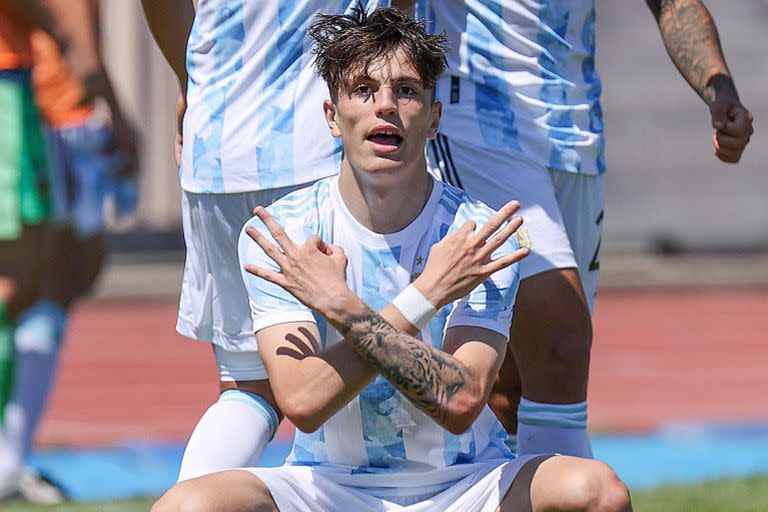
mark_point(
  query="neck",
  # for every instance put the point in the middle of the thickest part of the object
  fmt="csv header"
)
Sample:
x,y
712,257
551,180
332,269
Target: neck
x,y
384,205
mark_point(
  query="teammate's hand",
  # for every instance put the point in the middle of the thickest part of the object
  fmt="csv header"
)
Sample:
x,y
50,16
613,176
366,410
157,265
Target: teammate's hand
x,y
181,107
313,272
733,127
462,260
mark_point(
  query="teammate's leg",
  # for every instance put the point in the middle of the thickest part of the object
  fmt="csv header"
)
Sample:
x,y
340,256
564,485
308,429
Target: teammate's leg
x,y
551,336
235,429
551,329
552,417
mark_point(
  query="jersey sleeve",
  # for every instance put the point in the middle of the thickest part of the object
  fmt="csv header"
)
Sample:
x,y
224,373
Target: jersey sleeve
x,y
269,303
490,304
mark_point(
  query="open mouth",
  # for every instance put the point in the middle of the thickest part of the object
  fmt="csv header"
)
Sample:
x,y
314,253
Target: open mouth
x,y
385,138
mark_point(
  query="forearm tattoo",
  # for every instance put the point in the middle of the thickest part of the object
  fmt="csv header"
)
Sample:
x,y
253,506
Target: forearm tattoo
x,y
691,39
424,374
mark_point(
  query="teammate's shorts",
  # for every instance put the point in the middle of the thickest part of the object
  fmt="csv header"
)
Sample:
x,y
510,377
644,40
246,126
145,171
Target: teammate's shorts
x,y
479,487
562,211
23,175
82,162
214,303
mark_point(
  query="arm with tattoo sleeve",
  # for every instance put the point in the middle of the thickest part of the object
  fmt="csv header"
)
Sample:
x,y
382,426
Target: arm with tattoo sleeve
x,y
691,39
442,385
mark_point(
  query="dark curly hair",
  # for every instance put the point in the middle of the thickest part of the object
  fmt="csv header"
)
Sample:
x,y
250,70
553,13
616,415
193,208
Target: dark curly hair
x,y
347,44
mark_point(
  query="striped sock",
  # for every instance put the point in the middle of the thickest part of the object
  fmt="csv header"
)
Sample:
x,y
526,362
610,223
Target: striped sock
x,y
553,428
39,332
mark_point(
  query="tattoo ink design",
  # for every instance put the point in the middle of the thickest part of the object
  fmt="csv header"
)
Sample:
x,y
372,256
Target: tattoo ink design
x,y
691,39
424,374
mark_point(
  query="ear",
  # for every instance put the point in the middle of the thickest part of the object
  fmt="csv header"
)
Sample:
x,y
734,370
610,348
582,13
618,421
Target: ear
x,y
330,117
434,122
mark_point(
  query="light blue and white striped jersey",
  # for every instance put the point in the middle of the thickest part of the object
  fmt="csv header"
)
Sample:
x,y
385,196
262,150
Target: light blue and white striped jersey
x,y
522,77
380,432
254,119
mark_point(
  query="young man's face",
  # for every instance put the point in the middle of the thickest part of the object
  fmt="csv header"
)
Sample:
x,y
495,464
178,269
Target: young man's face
x,y
385,118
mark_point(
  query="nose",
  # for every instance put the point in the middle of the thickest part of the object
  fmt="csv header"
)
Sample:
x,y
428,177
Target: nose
x,y
386,103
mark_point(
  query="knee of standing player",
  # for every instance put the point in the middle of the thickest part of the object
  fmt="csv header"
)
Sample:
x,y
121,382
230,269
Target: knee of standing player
x,y
569,346
596,488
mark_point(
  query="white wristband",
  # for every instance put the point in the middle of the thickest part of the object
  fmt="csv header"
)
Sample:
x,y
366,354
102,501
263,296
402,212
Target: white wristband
x,y
414,306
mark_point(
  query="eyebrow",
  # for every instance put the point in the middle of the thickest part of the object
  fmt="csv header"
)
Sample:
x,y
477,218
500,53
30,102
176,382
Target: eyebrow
x,y
398,80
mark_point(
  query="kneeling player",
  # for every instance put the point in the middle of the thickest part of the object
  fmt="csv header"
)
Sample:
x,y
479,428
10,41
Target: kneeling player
x,y
390,407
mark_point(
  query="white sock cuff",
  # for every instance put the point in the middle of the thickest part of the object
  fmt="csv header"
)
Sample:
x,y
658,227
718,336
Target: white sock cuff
x,y
572,416
255,401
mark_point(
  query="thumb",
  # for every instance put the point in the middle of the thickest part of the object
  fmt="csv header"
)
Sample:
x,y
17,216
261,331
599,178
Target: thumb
x,y
719,112
336,252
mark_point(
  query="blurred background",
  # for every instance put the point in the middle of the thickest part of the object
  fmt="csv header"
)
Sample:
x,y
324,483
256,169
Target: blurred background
x,y
681,321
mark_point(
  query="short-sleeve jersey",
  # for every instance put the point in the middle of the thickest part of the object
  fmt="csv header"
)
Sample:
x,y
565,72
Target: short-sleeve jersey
x,y
522,77
254,116
381,432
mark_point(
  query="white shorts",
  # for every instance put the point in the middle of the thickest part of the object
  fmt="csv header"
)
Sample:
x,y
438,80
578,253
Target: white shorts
x,y
214,303
320,489
562,211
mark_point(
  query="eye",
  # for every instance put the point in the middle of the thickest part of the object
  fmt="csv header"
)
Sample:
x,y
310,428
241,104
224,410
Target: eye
x,y
362,90
407,90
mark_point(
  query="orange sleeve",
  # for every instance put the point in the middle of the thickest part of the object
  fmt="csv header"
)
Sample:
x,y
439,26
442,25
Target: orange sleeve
x,y
57,92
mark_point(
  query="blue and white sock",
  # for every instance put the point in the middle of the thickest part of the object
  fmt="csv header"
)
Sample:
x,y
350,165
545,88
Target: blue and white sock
x,y
232,433
37,339
38,336
552,428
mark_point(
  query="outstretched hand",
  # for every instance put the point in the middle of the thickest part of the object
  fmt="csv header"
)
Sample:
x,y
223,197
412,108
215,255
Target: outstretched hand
x,y
733,127
462,260
313,272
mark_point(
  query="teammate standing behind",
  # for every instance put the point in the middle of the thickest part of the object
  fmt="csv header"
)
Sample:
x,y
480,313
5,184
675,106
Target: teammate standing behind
x,y
253,131
522,119
387,420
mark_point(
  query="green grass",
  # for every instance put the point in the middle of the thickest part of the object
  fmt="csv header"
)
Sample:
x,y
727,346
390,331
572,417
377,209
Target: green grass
x,y
748,495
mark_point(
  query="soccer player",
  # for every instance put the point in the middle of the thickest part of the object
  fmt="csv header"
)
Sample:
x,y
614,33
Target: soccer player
x,y
83,151
522,119
387,420
253,130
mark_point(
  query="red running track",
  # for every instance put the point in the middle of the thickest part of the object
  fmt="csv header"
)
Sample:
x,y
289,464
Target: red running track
x,y
658,357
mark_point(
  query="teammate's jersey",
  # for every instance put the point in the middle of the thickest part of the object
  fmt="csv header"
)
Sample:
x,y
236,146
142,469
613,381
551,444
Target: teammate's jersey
x,y
381,432
255,118
522,77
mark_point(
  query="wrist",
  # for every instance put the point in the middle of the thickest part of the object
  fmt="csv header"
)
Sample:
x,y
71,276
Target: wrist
x,y
415,307
719,87
341,306
430,290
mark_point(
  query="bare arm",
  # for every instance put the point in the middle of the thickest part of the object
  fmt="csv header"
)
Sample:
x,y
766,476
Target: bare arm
x,y
170,22
691,39
451,388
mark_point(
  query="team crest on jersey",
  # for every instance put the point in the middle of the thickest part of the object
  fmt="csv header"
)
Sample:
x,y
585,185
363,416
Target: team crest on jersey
x,y
523,238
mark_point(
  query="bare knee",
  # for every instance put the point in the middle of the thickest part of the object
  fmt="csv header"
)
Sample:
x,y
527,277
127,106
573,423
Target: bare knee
x,y
596,488
226,491
573,484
